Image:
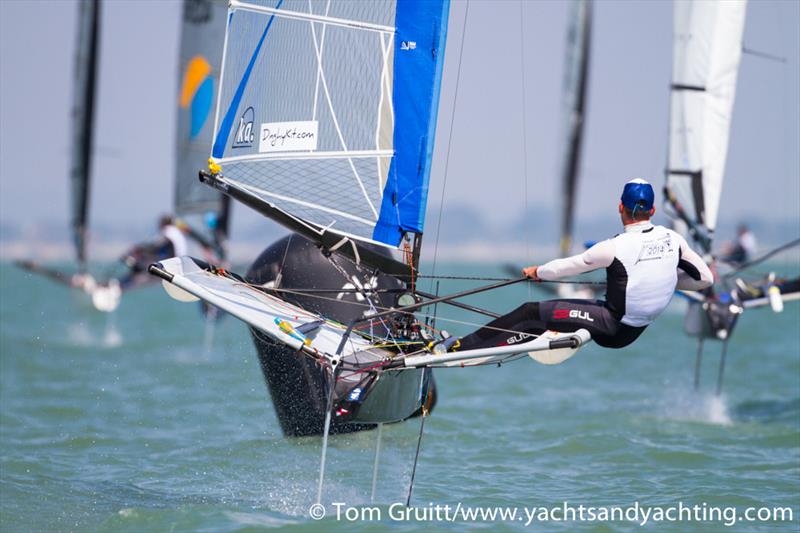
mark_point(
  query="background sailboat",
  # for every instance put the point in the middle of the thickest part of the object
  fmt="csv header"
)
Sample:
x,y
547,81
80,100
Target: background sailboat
x,y
205,212
103,297
707,51
576,82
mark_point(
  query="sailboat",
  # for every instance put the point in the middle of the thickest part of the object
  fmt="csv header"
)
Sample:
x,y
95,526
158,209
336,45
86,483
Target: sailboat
x,y
325,123
576,81
707,50
202,211
337,147
103,296
574,104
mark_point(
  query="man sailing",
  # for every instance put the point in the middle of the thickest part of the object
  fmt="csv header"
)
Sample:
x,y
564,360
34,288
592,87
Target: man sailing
x,y
644,266
170,243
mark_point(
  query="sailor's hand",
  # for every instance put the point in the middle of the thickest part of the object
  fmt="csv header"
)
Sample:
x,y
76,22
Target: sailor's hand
x,y
531,272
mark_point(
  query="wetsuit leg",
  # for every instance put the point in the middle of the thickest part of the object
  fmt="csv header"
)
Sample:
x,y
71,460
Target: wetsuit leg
x,y
566,316
498,332
593,316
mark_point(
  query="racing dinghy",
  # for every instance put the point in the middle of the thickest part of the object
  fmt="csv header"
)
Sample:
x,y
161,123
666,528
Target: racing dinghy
x,y
325,123
203,214
707,50
376,360
104,296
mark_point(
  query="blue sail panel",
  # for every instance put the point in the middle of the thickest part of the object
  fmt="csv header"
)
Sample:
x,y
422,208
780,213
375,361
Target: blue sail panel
x,y
418,61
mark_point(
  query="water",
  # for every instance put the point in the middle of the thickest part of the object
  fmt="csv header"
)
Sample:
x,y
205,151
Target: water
x,y
133,423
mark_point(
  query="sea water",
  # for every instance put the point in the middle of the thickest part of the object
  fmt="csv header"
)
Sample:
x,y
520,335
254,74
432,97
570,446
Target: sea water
x,y
146,420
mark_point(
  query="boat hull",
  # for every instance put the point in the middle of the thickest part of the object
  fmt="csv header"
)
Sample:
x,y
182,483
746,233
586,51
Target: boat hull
x,y
297,384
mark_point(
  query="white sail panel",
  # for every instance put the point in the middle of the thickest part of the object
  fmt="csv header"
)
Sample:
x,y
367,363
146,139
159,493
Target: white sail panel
x,y
307,112
707,47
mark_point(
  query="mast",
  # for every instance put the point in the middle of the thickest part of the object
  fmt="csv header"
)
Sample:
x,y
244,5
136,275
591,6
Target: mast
x,y
337,143
85,87
576,74
205,211
707,49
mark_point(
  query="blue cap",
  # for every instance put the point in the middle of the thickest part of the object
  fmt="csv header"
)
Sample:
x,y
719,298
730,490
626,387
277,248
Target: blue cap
x,y
211,220
638,194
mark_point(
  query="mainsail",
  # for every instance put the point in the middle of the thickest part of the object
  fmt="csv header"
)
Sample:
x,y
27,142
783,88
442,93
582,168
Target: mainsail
x,y
202,38
576,75
327,113
86,60
707,48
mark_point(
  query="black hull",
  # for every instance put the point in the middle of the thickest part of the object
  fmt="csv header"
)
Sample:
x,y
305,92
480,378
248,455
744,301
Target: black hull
x,y
296,383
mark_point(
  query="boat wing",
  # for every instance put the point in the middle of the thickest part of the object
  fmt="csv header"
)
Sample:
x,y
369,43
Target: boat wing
x,y
188,279
550,348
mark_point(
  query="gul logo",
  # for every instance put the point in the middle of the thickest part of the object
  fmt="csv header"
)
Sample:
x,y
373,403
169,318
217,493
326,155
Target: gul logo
x,y
244,132
522,337
197,93
408,45
562,314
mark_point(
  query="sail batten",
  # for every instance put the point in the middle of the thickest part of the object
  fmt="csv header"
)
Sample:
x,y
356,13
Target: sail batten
x,y
328,110
707,47
347,23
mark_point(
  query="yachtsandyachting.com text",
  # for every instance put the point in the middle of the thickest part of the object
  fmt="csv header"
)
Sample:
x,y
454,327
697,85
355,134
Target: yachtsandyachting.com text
x,y
566,512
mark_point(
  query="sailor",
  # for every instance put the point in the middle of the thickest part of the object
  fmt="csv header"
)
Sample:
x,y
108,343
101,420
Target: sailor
x,y
170,243
644,266
744,248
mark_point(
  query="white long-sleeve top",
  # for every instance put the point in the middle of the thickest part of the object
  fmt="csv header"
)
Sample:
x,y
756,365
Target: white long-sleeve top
x,y
644,266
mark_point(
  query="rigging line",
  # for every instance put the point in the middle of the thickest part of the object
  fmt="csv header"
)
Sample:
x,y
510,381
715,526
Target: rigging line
x,y
763,55
474,278
449,140
419,313
762,258
524,132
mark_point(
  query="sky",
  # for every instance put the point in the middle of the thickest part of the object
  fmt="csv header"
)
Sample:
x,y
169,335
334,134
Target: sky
x,y
482,129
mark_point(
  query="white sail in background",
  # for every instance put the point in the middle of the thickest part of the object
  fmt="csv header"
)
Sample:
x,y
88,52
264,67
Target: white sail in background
x,y
327,110
707,48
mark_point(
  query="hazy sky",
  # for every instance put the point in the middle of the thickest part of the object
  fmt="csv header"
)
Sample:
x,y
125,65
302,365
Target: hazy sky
x,y
627,120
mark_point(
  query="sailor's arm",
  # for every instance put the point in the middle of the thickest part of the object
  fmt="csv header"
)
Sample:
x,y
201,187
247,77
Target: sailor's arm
x,y
693,272
601,255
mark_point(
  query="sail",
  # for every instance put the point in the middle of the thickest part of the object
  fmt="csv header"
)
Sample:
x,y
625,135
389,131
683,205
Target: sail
x,y
327,111
576,75
707,48
202,38
86,60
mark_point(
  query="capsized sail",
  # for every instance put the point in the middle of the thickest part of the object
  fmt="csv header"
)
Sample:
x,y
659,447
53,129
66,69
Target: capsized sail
x,y
86,61
327,113
707,48
202,38
576,74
